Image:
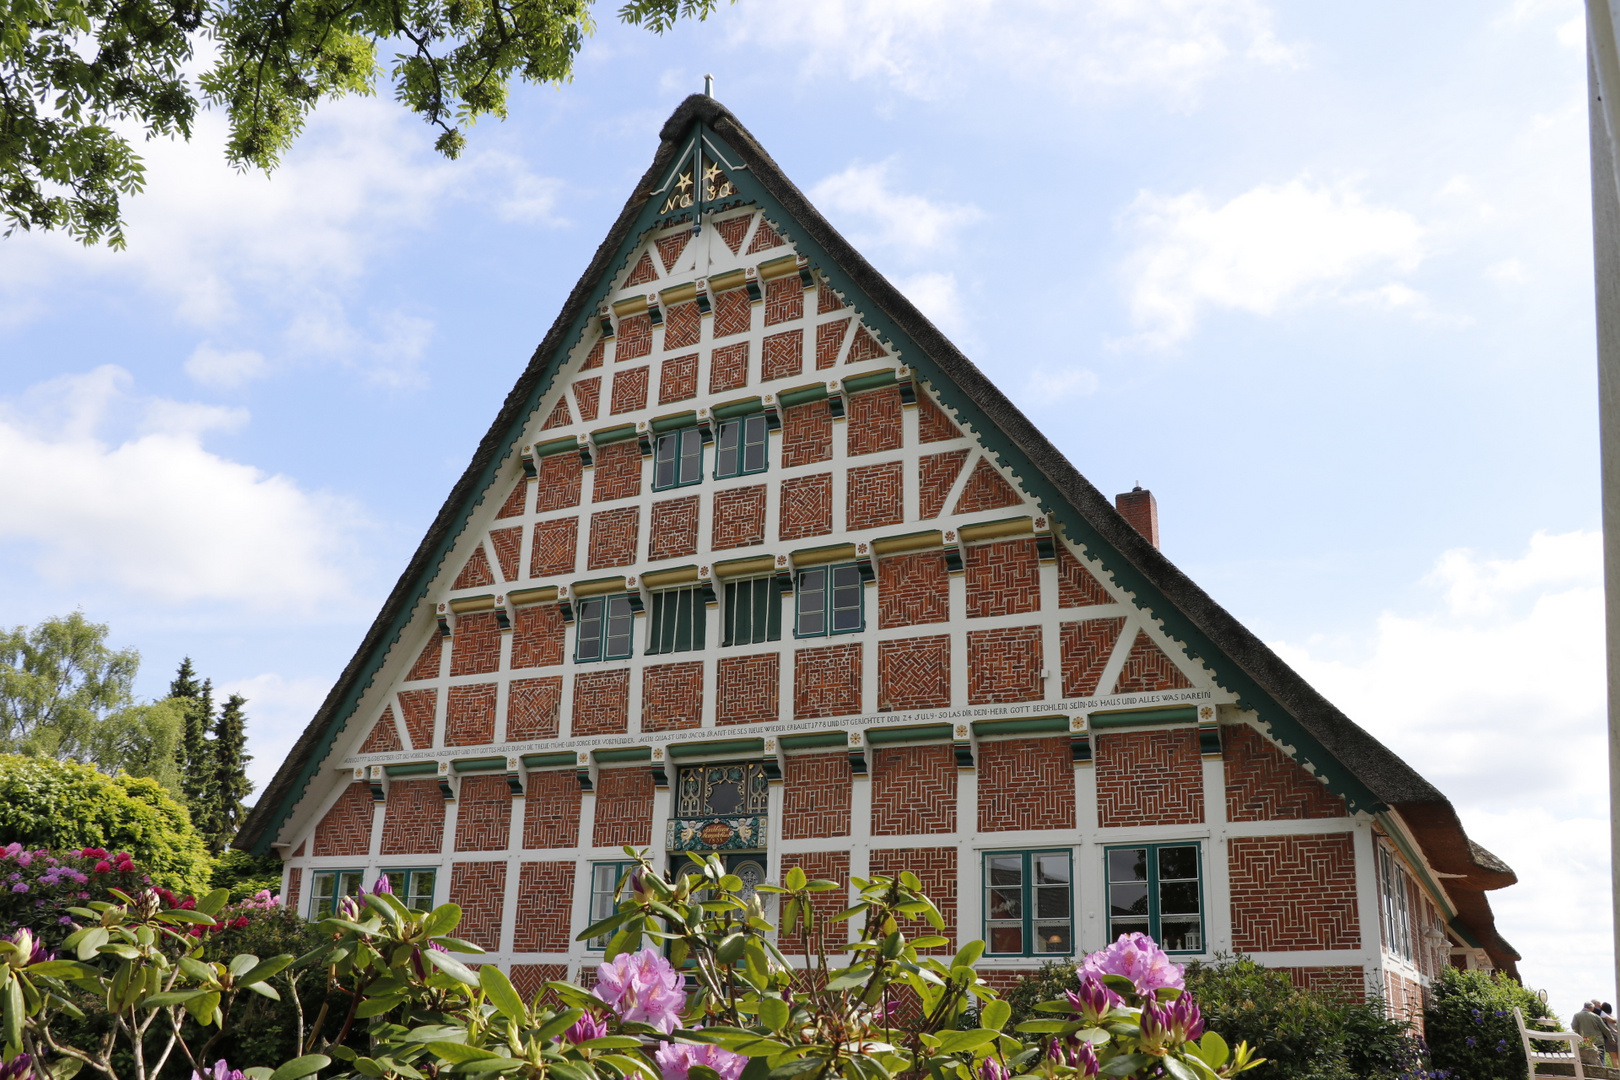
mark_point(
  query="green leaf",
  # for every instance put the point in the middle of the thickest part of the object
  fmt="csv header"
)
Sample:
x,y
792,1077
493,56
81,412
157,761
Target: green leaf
x,y
264,989
1214,1050
494,1064
796,879
931,941
94,938
214,902
63,969
610,1042
557,1025
376,1006
450,966
1047,1027
177,997
368,1067
1179,1069
612,922
957,1042
995,1015
195,917
459,1052
442,920
774,1012
265,969
498,988
968,954
1126,1065
298,1068
630,1066
455,944
258,1072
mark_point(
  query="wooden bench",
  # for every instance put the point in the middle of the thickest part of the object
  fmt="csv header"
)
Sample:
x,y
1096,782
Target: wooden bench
x,y
1536,1058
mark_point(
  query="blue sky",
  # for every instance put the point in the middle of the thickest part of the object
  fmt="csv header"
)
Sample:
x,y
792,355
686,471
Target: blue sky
x,y
1317,275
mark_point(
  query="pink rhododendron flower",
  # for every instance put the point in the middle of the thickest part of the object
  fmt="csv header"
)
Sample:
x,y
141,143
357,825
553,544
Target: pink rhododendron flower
x,y
643,987
1139,959
1093,1001
103,867
675,1060
11,850
585,1028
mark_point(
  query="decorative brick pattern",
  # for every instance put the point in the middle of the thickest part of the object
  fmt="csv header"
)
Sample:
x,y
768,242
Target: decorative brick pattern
x,y
469,715
618,472
672,696
875,496
1086,647
476,572
913,589
588,395
1291,893
827,866
298,852
624,807
829,339
601,703
643,273
529,980
560,416
816,792
551,809
864,347
914,673
733,313
671,246
1004,665
430,661
630,389
1003,578
537,636
784,299
806,507
827,681
827,299
1076,586
1403,1000
555,548
728,368
733,230
1344,981
476,647
1149,778
875,421
674,528
933,425
677,379
1265,784
384,734
1147,668
936,474
806,434
634,340
913,790
613,537
516,504
479,889
935,868
739,518
295,882
417,707
346,828
508,545
483,813
559,482
413,823
746,691
985,490
765,238
533,707
545,904
782,355
683,325
1026,784
594,359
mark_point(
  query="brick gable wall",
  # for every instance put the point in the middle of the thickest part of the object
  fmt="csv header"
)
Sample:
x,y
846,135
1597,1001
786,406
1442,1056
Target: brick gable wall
x,y
413,822
554,550
346,828
469,715
475,649
384,735
1086,648
875,496
673,531
558,484
913,790
618,472
747,689
533,708
827,681
1149,778
538,633
1293,893
1076,586
1003,578
672,696
483,813
935,868
936,475
1004,665
806,434
1026,784
476,572
914,673
613,538
551,809
1147,668
508,545
601,703
985,490
544,907
728,368
417,708
913,589
429,661
739,518
624,807
806,507
479,888
1265,784
875,421
816,795
782,355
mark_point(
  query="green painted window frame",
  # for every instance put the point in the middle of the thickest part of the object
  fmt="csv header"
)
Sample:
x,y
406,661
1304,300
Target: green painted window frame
x,y
748,455
323,904
406,881
601,897
832,581
1032,927
752,612
615,611
678,621
681,453
1155,918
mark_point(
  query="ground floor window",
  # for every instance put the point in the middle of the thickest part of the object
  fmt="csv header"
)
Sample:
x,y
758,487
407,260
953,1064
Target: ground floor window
x,y
1028,903
604,883
1157,889
414,887
327,887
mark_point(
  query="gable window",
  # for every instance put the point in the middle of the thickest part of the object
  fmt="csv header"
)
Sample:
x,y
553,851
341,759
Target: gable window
x,y
329,886
1028,906
413,888
677,621
1156,889
678,459
604,883
829,601
1397,920
753,611
741,446
604,629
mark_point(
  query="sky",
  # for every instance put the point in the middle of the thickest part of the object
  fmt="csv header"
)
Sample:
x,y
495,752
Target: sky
x,y
1319,276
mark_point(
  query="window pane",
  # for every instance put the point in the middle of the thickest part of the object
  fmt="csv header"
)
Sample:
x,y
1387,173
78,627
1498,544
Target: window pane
x,y
1006,903
1178,898
846,598
1006,869
1052,902
349,883
620,620
664,462
421,890
1127,864
1180,935
1007,938
812,601
1051,869
737,611
725,459
691,456
398,883
759,594
1117,927
1053,937
590,630
754,442
1128,899
1178,862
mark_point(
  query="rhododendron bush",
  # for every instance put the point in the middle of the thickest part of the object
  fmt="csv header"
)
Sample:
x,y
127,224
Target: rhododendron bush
x,y
696,983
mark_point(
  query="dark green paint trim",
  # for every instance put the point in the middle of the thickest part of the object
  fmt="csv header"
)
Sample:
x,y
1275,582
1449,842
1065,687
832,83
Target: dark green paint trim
x,y
740,747
634,753
806,742
1178,714
483,764
802,396
676,422
1036,725
876,380
738,408
917,733
556,446
608,436
420,768
546,761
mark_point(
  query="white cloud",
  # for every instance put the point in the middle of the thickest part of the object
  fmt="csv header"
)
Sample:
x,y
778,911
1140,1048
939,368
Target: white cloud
x,y
216,367
951,48
103,488
884,217
937,297
1046,387
1497,696
1265,248
278,708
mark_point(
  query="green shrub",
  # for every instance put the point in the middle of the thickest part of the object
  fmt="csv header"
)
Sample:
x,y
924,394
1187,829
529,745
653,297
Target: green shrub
x,y
245,875
1470,1024
62,805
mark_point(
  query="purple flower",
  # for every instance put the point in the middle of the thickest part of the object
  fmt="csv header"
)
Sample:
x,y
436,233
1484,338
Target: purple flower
x,y
24,858
219,1071
65,920
675,1060
382,886
14,877
11,850
585,1028
34,949
993,1070
1084,1058
348,908
21,886
18,1068
1167,1024
1093,1001
1140,960
644,987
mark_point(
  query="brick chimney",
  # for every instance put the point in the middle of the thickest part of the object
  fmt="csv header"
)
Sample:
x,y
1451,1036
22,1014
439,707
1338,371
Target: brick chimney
x,y
1140,509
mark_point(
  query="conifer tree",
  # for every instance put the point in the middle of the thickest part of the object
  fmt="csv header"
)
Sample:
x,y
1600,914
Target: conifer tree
x,y
230,782
194,754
